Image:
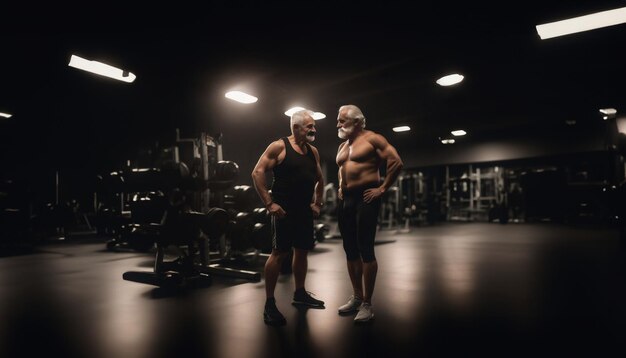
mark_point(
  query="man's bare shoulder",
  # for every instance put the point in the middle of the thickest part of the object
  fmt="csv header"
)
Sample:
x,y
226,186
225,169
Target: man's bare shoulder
x,y
374,138
367,133
276,147
278,143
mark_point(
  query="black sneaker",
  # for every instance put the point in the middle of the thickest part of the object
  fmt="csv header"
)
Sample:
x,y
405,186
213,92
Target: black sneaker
x,y
272,316
303,298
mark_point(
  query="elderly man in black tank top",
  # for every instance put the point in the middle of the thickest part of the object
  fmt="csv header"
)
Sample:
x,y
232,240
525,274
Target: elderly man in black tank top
x,y
295,200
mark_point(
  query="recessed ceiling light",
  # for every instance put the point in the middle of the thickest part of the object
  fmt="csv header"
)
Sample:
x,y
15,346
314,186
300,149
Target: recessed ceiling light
x,y
448,141
582,23
608,111
459,132
401,129
450,80
240,97
293,110
318,115
5,115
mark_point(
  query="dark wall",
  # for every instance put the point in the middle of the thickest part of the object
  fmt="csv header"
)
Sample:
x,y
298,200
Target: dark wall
x,y
246,136
499,150
245,151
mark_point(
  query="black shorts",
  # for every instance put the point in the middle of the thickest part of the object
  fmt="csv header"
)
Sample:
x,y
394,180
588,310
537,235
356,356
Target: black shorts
x,y
294,230
358,223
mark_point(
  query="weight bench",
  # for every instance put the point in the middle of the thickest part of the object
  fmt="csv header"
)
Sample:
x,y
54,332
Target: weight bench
x,y
188,231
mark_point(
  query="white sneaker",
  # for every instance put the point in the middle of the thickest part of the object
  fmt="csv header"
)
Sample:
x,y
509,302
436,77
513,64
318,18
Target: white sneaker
x,y
352,305
366,313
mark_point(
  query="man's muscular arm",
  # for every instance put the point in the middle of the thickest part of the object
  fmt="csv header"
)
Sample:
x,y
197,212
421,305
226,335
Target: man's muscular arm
x,y
339,176
317,203
394,164
388,153
267,161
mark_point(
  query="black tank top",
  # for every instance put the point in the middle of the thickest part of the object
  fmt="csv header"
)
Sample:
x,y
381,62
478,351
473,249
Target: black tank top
x,y
294,178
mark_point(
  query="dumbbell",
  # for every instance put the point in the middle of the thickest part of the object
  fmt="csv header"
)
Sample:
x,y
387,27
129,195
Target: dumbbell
x,y
239,231
261,237
260,215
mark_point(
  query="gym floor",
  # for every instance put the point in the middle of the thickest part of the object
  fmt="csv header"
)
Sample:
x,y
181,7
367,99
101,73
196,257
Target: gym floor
x,y
454,289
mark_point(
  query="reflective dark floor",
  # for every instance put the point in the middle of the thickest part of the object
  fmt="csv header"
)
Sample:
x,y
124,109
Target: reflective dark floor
x,y
456,289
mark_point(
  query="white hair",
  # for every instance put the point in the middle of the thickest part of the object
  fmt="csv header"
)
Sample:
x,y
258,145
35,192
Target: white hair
x,y
299,116
353,112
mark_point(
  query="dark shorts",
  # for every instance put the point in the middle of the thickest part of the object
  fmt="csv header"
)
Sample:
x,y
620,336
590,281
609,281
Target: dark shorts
x,y
294,230
358,223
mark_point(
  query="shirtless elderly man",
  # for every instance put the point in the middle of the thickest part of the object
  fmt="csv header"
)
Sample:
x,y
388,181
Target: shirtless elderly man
x,y
359,158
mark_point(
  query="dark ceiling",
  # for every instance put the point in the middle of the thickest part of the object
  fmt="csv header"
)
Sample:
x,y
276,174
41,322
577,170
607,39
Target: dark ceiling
x,y
384,58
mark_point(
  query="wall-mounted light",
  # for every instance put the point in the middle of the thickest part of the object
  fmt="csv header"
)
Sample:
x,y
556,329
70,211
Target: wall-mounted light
x,y
101,69
241,97
450,80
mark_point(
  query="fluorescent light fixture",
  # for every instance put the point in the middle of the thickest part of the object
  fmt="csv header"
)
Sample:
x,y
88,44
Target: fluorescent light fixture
x,y
448,141
582,23
101,69
608,111
459,132
401,129
5,115
293,110
450,80
318,115
241,97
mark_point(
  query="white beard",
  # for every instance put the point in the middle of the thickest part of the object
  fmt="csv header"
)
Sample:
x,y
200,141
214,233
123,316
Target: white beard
x,y
344,133
310,138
